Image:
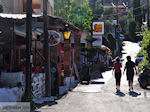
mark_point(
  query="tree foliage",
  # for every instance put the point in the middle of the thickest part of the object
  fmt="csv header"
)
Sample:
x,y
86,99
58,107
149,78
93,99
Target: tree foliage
x,y
108,27
130,26
123,23
98,11
81,16
1,7
63,8
132,29
109,13
145,50
110,42
137,12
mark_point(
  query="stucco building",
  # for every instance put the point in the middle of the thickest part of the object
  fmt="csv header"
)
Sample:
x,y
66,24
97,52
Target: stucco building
x,y
19,6
122,8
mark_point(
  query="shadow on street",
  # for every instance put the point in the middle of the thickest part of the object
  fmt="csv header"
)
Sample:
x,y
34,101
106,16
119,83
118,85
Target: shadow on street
x,y
97,76
44,104
94,82
119,93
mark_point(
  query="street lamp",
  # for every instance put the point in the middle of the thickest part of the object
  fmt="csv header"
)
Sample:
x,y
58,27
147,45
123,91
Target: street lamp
x,y
67,32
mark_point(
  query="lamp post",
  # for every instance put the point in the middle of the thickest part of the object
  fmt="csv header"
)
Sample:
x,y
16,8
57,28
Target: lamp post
x,y
67,51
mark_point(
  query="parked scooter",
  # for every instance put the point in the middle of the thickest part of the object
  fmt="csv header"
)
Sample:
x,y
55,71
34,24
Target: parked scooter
x,y
144,78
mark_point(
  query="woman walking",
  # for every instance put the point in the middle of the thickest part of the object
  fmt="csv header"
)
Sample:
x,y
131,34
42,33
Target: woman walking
x,y
129,67
117,69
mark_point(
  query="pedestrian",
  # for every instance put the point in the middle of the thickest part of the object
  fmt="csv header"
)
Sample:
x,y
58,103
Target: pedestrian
x,y
129,67
117,70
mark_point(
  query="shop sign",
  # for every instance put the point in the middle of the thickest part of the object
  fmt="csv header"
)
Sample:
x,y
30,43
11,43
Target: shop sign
x,y
98,42
98,28
54,38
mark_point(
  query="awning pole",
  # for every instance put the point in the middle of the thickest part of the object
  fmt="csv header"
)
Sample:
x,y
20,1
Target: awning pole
x,y
47,52
28,50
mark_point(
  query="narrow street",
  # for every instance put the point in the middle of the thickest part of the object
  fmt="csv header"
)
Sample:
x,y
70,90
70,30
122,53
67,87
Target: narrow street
x,y
100,95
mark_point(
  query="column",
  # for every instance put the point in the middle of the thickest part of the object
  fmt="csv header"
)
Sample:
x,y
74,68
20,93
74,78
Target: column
x,y
67,58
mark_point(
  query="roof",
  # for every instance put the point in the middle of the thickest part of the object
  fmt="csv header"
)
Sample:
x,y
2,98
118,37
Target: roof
x,y
52,19
16,16
120,5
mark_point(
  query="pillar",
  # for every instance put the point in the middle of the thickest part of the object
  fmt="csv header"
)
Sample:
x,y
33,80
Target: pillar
x,y
77,50
67,58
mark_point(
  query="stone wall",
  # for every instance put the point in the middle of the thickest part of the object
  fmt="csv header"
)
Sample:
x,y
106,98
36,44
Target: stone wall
x,y
38,85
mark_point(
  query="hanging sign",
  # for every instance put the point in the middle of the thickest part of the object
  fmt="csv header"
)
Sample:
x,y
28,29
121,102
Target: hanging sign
x,y
98,42
98,28
54,38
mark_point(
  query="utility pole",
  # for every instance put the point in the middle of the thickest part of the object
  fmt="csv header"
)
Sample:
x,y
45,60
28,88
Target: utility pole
x,y
117,17
148,25
28,50
102,2
46,52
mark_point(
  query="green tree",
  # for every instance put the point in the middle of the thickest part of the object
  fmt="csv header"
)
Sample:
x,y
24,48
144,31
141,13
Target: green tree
x,y
63,8
123,23
81,16
132,29
109,13
108,27
1,7
137,12
98,12
98,3
111,42
145,51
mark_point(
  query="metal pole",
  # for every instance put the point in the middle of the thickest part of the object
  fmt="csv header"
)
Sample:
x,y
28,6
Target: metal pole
x,y
117,17
148,25
102,2
47,52
28,50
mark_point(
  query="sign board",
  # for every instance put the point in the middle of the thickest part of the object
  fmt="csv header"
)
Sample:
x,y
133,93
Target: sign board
x,y
98,42
54,38
98,28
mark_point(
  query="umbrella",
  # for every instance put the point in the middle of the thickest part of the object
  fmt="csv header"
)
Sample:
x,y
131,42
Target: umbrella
x,y
105,48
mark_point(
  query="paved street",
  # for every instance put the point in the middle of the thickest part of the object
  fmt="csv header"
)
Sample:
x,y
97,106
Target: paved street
x,y
100,95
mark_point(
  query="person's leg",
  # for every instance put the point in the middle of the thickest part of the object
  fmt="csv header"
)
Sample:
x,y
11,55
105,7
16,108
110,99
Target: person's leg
x,y
116,81
119,81
131,84
119,84
116,85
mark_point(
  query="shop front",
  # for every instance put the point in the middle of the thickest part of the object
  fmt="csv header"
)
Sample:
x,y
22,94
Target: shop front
x,y
13,50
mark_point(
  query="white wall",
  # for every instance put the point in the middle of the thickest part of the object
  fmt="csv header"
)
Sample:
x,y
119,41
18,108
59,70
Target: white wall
x,y
16,6
12,6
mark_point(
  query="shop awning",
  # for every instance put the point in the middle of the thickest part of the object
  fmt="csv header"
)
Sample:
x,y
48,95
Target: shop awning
x,y
36,27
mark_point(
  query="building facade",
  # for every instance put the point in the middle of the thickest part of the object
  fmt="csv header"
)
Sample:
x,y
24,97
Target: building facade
x,y
122,8
19,6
